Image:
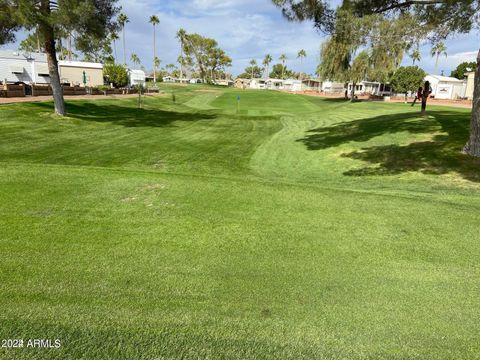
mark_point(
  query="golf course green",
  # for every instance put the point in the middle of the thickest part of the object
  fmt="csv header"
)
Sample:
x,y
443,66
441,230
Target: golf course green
x,y
279,226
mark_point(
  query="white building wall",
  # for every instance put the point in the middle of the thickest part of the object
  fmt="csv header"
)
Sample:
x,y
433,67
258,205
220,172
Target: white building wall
x,y
17,59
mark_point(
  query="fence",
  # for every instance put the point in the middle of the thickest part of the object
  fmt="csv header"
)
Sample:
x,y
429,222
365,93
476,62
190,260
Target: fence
x,y
13,90
22,90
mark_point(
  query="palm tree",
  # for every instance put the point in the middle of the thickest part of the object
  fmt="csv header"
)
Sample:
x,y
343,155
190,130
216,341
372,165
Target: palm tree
x,y
114,37
181,34
253,63
437,50
283,58
135,59
266,63
154,21
122,21
302,54
415,55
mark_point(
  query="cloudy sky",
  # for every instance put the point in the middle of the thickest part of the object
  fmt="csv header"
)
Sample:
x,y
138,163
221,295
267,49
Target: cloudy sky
x,y
247,29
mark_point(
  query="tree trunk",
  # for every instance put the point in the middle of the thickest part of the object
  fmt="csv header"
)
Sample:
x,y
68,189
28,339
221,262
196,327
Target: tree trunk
x,y
425,95
473,145
154,56
46,31
352,93
124,50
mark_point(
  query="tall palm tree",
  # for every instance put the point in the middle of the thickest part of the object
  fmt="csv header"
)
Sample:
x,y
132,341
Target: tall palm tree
x,y
253,63
135,59
415,55
154,20
283,58
302,54
266,63
122,21
114,37
181,34
437,50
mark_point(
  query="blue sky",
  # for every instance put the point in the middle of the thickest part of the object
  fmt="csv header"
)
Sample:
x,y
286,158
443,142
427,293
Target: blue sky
x,y
248,29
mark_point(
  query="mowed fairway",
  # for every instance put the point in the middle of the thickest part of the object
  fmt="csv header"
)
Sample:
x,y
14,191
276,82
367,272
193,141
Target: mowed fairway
x,y
295,227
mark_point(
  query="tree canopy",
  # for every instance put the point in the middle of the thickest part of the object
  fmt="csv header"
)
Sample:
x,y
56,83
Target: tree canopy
x,y
462,69
407,78
204,55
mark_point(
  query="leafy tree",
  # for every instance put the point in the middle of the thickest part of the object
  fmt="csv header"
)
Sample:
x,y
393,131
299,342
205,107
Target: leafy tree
x,y
283,58
205,55
91,20
113,38
462,69
96,50
359,70
279,71
181,59
437,50
266,63
154,20
415,55
135,59
32,43
251,72
122,21
302,54
253,66
436,19
116,74
407,78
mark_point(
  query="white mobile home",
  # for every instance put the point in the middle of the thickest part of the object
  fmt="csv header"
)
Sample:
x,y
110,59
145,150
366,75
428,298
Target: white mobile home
x,y
332,87
445,87
258,84
274,84
170,79
292,85
470,85
137,77
370,88
17,66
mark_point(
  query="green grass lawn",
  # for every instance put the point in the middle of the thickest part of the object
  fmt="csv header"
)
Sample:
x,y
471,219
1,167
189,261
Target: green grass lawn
x,y
295,227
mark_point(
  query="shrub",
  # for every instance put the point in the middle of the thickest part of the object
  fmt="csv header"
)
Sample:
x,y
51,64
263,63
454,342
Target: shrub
x,y
116,74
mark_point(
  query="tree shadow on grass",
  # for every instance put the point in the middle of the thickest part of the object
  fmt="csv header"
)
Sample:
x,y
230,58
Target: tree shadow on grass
x,y
128,116
440,155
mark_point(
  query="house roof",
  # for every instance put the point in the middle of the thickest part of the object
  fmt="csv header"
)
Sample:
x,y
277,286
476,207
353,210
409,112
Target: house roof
x,y
23,55
80,64
445,78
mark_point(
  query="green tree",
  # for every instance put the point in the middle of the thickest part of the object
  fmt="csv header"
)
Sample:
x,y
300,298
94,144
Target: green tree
x,y
205,55
416,55
302,54
114,37
407,78
436,19
52,18
122,21
359,70
462,69
135,59
266,63
116,74
253,65
181,59
437,50
280,70
154,20
283,58
251,72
